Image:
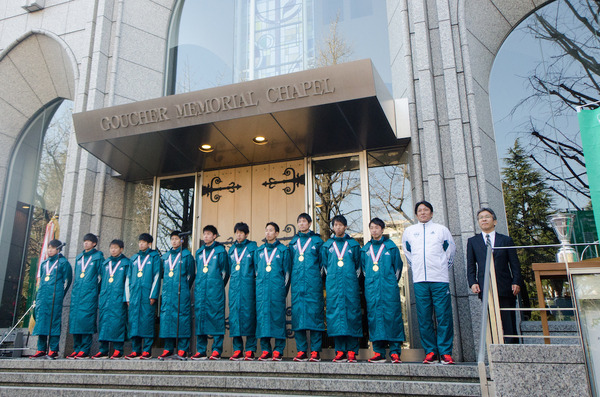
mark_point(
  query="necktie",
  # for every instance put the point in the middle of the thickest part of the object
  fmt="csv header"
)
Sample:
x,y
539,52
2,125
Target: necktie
x,y
488,242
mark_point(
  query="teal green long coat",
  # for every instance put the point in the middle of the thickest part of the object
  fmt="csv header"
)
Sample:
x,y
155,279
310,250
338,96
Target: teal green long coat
x,y
183,272
113,309
58,284
139,291
343,292
242,290
271,290
382,293
308,306
209,290
84,296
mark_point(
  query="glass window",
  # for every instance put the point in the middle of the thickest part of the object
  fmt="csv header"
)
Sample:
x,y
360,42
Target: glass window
x,y
32,201
138,211
175,209
215,43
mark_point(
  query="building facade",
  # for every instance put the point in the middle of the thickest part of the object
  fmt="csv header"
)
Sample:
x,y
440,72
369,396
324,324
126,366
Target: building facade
x,y
413,124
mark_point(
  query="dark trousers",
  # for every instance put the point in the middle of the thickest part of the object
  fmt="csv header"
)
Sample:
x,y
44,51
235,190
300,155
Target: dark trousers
x,y
509,318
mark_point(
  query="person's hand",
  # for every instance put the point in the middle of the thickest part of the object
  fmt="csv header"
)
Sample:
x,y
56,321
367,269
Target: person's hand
x,y
516,289
152,301
127,304
475,288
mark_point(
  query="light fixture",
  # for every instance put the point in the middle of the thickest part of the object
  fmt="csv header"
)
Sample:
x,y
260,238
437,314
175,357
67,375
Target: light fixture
x,y
206,148
260,140
34,5
25,207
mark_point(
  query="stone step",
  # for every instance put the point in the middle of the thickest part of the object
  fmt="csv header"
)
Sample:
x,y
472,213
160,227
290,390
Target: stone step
x,y
107,377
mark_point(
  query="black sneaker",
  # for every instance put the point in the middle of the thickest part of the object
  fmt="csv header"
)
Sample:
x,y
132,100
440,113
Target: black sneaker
x,y
315,357
264,356
340,357
377,358
199,356
38,354
301,356
430,358
100,356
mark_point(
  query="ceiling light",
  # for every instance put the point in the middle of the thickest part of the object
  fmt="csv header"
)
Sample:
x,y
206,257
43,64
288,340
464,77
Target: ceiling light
x,y
206,148
260,140
25,207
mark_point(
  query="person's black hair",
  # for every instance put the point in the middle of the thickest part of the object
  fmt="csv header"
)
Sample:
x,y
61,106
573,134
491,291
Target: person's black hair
x,y
341,219
377,222
210,228
118,242
146,237
175,233
275,226
491,211
425,203
242,227
91,237
55,243
305,216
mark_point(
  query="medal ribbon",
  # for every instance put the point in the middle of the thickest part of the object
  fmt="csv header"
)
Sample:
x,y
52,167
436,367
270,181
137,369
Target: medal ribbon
x,y
337,251
372,253
86,264
48,271
111,271
238,259
141,264
209,257
301,249
270,258
172,264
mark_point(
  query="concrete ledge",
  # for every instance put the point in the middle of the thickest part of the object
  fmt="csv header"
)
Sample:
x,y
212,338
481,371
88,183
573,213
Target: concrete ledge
x,y
538,370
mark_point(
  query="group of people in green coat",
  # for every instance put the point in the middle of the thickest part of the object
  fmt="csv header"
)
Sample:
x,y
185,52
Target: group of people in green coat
x,y
126,292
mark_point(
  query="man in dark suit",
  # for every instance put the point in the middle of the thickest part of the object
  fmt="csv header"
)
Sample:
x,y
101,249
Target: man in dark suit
x,y
506,263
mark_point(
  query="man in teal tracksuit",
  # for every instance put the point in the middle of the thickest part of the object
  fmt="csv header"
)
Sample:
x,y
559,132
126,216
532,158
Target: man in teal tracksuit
x,y
382,266
212,274
341,260
113,309
142,288
242,294
307,290
178,272
55,276
84,297
273,266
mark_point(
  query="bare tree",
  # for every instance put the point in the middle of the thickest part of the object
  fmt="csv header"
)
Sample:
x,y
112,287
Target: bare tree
x,y
334,48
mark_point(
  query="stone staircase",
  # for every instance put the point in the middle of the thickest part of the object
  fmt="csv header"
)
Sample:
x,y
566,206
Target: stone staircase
x,y
82,378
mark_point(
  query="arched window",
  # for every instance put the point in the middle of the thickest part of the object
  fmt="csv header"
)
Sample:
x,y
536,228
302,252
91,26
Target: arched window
x,y
32,200
215,43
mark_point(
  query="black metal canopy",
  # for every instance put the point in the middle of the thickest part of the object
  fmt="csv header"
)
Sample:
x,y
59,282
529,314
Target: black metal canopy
x,y
335,109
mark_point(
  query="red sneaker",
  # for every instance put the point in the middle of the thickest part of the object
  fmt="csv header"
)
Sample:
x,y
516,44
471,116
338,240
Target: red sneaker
x,y
38,354
315,357
351,357
301,356
430,358
116,355
52,354
132,356
72,356
215,355
100,356
396,358
146,356
377,358
276,356
165,354
447,359
340,357
182,353
237,356
81,355
264,356
249,356
199,356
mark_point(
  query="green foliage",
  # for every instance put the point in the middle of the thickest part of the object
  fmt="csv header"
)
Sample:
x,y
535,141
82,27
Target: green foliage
x,y
528,202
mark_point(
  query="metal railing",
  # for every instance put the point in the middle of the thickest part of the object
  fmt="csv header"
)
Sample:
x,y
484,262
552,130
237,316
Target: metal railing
x,y
490,310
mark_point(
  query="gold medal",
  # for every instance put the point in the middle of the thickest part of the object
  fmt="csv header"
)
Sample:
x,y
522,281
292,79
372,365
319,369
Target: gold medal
x,y
171,274
375,268
237,267
47,278
82,275
205,269
140,274
268,269
301,258
110,280
340,263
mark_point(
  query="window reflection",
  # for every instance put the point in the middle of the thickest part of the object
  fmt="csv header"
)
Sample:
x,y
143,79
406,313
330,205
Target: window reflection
x,y
175,209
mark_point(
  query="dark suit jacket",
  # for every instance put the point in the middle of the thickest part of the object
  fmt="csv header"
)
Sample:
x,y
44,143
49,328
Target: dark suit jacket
x,y
506,263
